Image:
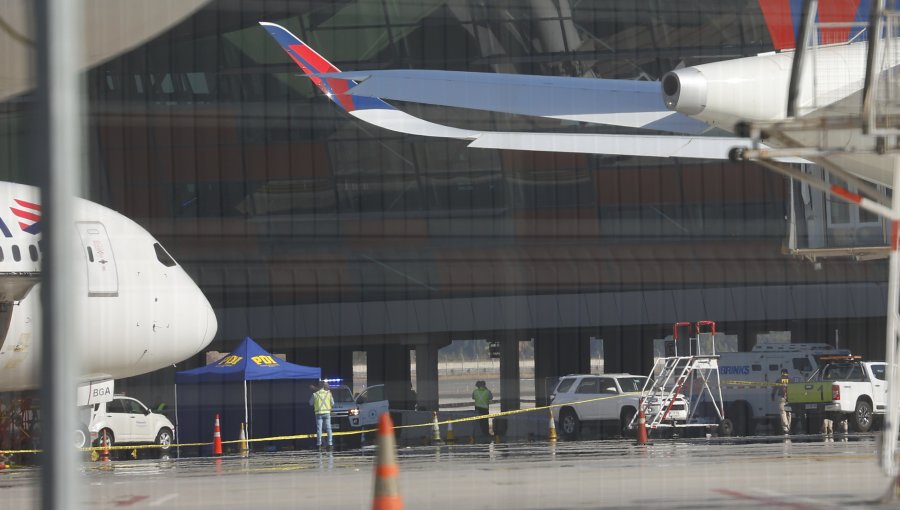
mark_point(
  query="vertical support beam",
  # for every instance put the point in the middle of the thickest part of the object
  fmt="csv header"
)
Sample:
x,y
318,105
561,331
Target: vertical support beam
x,y
392,365
375,365
889,434
427,376
612,349
545,363
57,157
510,386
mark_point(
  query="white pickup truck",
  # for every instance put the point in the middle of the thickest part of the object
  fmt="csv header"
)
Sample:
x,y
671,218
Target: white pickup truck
x,y
846,389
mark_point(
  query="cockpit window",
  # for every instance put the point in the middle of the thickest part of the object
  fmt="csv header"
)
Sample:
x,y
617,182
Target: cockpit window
x,y
163,256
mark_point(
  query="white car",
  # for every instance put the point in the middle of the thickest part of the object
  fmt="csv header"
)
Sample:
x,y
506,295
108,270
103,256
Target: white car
x,y
127,421
598,399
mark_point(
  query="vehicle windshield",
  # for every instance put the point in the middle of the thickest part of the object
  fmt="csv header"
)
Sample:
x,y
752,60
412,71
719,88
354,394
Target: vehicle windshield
x,y
342,394
632,384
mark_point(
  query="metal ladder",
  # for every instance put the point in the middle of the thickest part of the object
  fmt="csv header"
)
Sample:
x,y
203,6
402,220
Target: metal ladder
x,y
665,387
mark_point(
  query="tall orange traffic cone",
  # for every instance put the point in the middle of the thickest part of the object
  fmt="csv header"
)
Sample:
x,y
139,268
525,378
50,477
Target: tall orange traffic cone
x,y
387,496
642,427
217,438
104,442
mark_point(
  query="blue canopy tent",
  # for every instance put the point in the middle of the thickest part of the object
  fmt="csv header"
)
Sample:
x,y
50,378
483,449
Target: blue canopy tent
x,y
247,362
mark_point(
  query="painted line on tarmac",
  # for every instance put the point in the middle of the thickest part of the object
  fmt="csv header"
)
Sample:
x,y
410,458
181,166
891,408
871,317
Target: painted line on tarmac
x,y
160,501
767,500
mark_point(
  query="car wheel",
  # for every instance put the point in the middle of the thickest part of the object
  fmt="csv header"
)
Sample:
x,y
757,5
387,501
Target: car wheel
x,y
627,415
862,416
164,439
569,424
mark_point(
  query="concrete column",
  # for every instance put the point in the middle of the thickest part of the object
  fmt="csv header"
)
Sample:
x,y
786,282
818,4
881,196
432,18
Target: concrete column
x,y
546,372
427,376
612,349
510,391
388,363
557,353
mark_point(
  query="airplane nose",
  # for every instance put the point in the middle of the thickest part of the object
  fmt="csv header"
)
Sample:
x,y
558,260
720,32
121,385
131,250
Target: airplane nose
x,y
212,325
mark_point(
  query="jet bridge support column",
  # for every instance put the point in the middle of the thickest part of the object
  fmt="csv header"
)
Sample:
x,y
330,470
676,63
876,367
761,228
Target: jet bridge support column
x,y
510,387
557,353
388,363
427,376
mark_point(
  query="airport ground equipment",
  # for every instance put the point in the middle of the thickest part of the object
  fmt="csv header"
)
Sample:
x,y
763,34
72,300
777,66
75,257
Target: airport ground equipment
x,y
18,420
683,390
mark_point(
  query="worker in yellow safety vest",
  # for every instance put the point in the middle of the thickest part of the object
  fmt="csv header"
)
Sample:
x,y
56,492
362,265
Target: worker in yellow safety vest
x,y
780,392
482,397
322,402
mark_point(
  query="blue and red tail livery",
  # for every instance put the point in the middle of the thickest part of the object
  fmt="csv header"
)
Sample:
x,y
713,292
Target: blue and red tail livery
x,y
314,65
783,20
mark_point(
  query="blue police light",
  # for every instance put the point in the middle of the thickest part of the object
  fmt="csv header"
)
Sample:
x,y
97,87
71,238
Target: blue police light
x,y
334,380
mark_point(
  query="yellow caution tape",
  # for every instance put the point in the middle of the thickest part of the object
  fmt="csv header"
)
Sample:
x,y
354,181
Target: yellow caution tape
x,y
339,433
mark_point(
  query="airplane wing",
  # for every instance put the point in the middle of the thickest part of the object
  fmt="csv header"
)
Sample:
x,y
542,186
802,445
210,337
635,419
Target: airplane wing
x,y
634,103
628,103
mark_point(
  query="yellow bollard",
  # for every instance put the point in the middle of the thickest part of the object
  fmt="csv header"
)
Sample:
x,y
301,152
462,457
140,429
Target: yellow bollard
x,y
245,446
451,437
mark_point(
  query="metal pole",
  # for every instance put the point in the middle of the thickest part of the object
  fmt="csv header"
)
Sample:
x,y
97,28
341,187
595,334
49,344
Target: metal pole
x,y
57,158
889,434
177,442
246,414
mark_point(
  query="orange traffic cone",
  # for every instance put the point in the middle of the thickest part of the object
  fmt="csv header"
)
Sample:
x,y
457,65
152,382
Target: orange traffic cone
x,y
217,438
642,428
104,442
387,496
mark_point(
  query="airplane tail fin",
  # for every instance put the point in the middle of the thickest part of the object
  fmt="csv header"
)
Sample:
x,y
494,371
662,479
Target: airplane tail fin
x,y
313,65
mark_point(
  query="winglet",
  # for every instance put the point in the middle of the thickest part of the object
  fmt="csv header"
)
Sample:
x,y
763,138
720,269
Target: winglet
x,y
313,64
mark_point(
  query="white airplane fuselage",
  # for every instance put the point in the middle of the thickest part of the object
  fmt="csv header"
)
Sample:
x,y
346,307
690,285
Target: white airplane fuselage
x,y
138,310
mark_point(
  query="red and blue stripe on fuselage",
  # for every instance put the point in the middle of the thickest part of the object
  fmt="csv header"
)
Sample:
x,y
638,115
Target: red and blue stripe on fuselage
x,y
314,64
